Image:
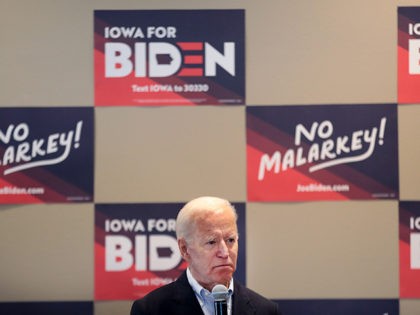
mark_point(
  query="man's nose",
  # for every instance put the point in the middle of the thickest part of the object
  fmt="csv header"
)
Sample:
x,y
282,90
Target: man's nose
x,y
223,249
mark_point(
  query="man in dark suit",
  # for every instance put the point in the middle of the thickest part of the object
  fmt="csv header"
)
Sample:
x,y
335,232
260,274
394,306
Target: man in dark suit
x,y
207,236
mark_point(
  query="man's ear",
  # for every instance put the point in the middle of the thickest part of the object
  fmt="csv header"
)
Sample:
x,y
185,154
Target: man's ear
x,y
183,248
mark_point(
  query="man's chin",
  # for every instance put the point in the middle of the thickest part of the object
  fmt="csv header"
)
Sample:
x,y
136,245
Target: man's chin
x,y
224,273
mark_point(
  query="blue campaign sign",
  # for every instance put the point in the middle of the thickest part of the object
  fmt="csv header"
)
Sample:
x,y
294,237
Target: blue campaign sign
x,y
47,308
169,57
314,152
46,154
339,307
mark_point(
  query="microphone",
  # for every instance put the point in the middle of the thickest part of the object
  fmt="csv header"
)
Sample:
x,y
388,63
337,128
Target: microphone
x,y
220,294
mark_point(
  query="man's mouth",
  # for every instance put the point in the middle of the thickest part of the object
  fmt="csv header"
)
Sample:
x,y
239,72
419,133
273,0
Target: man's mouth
x,y
223,266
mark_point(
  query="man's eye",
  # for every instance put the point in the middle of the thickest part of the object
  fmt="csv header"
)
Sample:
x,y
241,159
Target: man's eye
x,y
212,242
231,240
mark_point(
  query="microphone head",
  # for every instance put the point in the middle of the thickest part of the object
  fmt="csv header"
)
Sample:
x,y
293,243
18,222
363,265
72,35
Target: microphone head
x,y
220,292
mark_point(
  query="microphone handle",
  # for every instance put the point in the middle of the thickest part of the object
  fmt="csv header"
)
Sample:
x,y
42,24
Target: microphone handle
x,y
220,307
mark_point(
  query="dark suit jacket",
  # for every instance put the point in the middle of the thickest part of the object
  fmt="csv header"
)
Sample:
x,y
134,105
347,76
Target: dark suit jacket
x,y
178,298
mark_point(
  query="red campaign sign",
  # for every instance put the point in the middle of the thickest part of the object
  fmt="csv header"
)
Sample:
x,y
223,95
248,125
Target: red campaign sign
x,y
297,153
136,249
408,55
169,57
409,235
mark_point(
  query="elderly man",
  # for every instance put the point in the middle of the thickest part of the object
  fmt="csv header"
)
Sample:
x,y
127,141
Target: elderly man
x,y
207,236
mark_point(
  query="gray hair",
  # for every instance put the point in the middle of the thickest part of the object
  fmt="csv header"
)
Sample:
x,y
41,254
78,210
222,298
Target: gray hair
x,y
196,209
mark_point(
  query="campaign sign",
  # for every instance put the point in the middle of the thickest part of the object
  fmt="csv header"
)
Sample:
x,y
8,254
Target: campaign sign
x,y
322,152
408,55
339,307
46,308
409,232
136,249
46,155
169,57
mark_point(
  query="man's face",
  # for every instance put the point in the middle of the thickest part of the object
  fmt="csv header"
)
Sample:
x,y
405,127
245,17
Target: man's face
x,y
213,250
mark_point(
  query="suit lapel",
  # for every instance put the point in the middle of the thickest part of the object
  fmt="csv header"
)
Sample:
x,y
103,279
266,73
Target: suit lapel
x,y
184,299
242,304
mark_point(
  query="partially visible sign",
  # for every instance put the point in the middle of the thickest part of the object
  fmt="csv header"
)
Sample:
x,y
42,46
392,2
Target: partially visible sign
x,y
409,231
46,155
136,249
47,308
408,55
339,307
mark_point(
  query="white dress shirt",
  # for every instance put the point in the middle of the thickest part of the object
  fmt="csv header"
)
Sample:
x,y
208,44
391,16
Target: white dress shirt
x,y
204,296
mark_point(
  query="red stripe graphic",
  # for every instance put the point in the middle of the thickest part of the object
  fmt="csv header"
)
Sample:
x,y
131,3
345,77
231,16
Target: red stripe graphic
x,y
191,73
190,46
193,59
